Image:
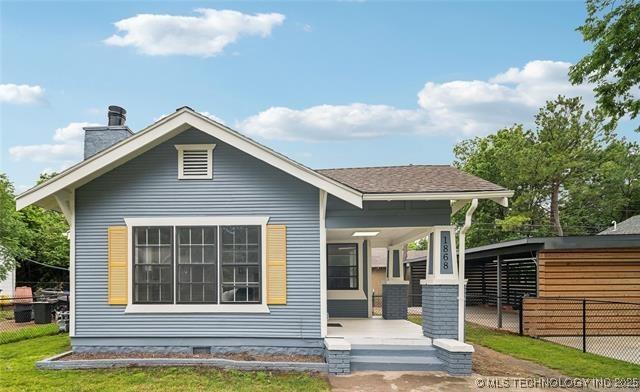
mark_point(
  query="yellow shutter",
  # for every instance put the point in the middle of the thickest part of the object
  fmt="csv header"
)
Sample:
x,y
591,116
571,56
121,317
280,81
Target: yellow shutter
x,y
276,264
118,244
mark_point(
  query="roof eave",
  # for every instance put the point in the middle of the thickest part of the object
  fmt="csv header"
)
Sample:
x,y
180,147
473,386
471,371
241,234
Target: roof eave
x,y
462,195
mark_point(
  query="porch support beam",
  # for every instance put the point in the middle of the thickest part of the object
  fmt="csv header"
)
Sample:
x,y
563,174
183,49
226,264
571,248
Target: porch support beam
x,y
324,315
461,267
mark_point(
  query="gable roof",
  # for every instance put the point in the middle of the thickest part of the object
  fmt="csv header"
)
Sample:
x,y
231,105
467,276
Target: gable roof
x,y
160,131
410,179
629,226
352,185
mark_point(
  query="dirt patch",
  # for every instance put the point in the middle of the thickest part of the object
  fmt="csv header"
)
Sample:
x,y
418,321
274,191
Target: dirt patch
x,y
487,362
234,356
400,381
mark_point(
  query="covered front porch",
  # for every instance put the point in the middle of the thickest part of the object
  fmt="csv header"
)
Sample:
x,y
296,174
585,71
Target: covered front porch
x,y
397,208
377,331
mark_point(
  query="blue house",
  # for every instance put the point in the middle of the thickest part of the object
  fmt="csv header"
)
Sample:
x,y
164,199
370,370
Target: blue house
x,y
188,235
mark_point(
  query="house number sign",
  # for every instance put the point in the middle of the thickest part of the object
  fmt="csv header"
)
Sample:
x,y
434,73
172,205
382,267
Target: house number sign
x,y
446,262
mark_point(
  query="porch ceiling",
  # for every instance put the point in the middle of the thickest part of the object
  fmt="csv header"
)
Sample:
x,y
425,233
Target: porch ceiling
x,y
386,237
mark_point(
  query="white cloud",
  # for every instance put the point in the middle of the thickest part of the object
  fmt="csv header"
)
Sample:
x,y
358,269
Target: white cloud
x,y
66,149
204,35
357,120
21,94
460,107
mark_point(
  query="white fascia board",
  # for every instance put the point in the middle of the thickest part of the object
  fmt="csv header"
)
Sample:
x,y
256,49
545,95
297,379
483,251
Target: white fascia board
x,y
163,130
198,221
437,196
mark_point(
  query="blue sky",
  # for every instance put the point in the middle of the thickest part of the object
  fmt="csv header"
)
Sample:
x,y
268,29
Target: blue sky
x,y
328,84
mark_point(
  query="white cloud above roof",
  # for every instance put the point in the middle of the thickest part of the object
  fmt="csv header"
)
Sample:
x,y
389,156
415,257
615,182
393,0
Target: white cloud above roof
x,y
21,94
204,35
65,150
456,108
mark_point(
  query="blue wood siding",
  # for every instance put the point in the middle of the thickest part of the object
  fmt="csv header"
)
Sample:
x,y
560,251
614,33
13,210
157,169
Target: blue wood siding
x,y
350,308
148,186
342,215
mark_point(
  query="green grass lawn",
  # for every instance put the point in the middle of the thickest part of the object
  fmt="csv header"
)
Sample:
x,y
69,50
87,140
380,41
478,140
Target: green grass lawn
x,y
566,360
18,373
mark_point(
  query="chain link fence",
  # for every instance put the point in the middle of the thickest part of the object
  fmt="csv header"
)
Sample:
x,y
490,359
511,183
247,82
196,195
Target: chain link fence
x,y
27,317
607,328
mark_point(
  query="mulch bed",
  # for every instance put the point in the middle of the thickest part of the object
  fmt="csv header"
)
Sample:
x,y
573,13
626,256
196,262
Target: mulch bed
x,y
234,356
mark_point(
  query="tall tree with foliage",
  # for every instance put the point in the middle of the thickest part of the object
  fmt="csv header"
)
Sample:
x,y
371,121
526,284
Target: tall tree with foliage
x,y
593,175
15,237
32,233
568,141
49,230
613,27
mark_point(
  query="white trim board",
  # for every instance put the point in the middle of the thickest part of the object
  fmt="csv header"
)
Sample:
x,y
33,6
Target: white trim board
x,y
350,294
498,195
163,130
262,307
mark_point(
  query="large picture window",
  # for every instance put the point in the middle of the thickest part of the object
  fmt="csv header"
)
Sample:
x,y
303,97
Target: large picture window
x,y
342,268
184,264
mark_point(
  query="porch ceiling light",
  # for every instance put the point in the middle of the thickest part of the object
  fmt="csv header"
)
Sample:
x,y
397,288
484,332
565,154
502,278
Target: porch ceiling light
x,y
365,233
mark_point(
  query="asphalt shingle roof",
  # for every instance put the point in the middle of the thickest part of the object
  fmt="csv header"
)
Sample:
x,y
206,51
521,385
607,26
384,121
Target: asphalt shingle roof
x,y
629,226
410,179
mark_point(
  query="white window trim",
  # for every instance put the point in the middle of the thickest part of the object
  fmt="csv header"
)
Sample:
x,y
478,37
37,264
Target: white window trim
x,y
350,294
199,308
187,147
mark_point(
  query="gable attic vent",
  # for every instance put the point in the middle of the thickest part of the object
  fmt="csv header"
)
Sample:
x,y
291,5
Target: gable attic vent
x,y
195,161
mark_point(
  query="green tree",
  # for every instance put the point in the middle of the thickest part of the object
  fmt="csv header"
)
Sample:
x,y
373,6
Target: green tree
x,y
14,234
49,229
589,175
613,27
567,144
508,158
30,234
421,244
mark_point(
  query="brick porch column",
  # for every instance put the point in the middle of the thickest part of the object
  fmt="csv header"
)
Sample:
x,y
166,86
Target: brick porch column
x,y
395,300
440,311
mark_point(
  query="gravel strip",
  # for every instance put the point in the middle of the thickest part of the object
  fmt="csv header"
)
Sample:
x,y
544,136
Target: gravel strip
x,y
235,357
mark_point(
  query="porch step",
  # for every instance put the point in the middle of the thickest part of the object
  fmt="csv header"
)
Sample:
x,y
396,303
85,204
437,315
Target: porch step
x,y
407,357
393,350
394,363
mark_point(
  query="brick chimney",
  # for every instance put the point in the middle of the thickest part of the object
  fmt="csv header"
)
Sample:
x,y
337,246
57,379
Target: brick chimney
x,y
99,138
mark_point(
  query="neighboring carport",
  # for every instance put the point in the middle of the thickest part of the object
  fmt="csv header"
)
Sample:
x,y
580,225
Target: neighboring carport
x,y
582,292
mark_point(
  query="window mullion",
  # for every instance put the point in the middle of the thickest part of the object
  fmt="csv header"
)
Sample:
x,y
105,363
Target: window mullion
x,y
218,281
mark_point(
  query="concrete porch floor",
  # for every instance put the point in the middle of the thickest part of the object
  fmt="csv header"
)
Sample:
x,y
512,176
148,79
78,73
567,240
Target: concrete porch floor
x,y
377,331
